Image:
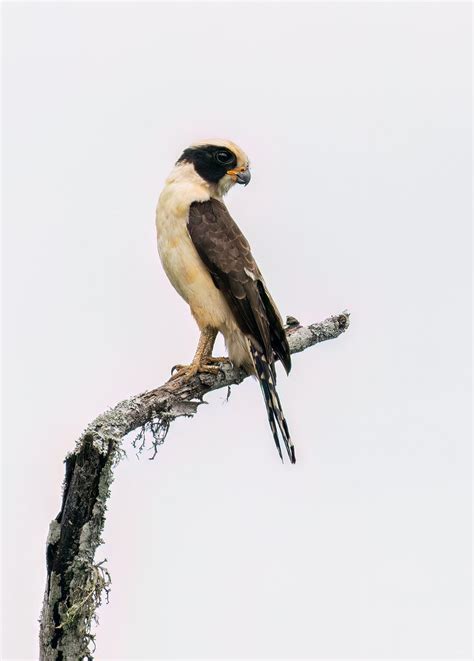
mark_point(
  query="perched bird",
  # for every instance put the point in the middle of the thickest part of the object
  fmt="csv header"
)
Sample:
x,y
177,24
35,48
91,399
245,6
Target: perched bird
x,y
209,263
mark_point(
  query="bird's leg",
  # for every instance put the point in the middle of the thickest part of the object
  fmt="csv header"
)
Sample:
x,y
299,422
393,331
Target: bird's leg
x,y
208,355
210,334
202,357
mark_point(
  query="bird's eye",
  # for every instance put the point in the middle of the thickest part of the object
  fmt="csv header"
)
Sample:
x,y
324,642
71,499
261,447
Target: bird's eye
x,y
223,157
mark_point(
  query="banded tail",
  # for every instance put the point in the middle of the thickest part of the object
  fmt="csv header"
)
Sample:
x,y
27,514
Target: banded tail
x,y
267,378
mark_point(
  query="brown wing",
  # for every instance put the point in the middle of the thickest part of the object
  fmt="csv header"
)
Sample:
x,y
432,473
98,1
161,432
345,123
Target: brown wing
x,y
226,253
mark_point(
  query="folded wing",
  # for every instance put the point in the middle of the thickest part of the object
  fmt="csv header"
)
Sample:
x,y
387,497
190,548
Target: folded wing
x,y
226,253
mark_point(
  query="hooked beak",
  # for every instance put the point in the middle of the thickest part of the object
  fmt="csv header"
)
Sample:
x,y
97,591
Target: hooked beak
x,y
240,175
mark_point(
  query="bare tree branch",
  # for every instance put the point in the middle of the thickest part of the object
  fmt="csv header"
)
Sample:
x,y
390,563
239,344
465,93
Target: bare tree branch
x,y
75,584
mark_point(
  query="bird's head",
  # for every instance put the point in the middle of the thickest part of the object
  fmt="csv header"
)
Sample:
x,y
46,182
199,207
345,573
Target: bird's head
x,y
220,163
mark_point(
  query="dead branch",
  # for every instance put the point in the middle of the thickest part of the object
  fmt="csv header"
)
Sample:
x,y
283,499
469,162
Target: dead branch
x,y
75,584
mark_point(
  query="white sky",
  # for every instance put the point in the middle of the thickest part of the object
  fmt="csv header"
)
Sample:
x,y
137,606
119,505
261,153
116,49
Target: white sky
x,y
356,118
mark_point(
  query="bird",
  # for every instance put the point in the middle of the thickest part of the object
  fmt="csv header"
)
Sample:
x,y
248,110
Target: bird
x,y
209,262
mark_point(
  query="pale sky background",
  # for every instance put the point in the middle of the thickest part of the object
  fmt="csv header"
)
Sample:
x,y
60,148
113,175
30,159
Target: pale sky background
x,y
357,120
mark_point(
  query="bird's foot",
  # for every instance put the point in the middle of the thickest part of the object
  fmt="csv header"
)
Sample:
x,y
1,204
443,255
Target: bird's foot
x,y
189,371
219,359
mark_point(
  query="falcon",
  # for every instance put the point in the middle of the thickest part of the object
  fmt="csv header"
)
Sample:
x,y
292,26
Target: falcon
x,y
209,262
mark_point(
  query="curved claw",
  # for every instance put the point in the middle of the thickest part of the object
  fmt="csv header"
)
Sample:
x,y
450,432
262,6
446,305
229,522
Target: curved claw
x,y
178,371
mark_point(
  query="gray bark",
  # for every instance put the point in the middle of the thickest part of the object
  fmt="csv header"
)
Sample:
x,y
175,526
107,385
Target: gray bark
x,y
75,583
